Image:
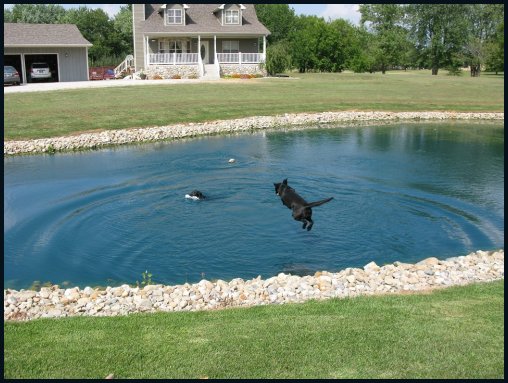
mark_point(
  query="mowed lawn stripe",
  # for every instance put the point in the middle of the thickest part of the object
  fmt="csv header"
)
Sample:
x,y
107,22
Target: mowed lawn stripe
x,y
65,112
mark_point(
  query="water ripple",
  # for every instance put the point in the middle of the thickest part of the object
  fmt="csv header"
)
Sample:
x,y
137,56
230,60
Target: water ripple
x,y
109,223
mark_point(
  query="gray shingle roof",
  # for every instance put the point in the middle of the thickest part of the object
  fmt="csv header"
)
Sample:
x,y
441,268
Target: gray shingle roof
x,y
20,34
201,19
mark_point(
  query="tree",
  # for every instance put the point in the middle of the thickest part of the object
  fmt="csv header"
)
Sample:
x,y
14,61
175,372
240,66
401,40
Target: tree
x,y
495,50
363,50
122,23
278,18
96,27
36,13
304,42
343,45
439,32
8,17
483,26
385,21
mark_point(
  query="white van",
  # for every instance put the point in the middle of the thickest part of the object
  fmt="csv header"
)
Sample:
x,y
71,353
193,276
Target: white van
x,y
40,71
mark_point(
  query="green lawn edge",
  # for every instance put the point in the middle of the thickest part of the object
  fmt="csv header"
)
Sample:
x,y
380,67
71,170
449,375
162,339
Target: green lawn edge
x,y
66,112
457,332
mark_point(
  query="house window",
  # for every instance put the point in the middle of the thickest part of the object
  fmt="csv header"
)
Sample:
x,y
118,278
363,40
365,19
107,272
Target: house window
x,y
175,46
163,46
230,46
232,17
174,16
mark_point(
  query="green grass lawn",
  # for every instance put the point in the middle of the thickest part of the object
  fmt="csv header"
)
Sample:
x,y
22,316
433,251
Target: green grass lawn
x,y
452,333
65,112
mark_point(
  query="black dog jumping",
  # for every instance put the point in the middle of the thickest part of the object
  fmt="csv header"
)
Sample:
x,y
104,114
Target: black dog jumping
x,y
301,209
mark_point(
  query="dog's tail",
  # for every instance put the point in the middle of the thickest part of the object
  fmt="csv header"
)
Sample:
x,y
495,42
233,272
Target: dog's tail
x,y
317,203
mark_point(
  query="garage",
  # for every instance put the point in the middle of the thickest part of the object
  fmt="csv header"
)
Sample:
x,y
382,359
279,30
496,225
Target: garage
x,y
35,48
50,59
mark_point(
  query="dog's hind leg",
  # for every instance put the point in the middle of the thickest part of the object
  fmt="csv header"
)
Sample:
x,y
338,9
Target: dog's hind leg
x,y
311,223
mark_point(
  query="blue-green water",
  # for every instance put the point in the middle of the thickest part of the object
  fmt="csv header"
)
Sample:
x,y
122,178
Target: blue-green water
x,y
402,192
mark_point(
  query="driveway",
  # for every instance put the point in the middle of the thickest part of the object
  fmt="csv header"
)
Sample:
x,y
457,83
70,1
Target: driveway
x,y
44,87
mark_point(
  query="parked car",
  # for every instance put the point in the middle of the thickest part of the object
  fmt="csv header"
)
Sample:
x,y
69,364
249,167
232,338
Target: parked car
x,y
95,74
109,74
11,75
101,73
40,71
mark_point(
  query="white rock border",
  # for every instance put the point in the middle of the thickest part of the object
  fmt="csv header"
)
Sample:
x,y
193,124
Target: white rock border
x,y
249,124
430,273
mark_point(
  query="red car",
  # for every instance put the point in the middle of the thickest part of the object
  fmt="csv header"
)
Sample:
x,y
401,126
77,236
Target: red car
x,y
101,73
109,74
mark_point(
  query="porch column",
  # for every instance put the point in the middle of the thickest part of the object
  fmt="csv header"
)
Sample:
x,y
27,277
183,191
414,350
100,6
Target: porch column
x,y
200,62
146,52
215,49
264,48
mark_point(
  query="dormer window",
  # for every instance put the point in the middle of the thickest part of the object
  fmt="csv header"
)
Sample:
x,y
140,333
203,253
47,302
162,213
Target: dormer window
x,y
232,17
174,16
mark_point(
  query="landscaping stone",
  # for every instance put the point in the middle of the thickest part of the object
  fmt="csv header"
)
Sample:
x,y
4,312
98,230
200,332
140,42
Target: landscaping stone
x,y
430,273
249,124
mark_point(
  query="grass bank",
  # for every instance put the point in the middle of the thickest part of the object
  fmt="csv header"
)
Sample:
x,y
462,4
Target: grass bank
x,y
452,333
66,112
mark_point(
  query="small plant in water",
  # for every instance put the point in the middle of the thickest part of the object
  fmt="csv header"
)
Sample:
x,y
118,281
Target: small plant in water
x,y
147,279
36,285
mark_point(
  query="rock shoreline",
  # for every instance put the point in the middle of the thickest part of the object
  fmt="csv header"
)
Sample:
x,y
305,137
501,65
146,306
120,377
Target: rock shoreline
x,y
430,273
249,124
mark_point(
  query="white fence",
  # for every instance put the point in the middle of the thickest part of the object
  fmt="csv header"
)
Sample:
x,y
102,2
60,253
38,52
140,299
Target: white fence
x,y
172,58
240,58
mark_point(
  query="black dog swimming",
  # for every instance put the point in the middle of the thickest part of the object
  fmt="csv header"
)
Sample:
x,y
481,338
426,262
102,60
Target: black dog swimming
x,y
301,209
196,195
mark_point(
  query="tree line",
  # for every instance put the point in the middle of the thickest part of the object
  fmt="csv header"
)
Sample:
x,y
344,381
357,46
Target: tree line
x,y
390,36
111,37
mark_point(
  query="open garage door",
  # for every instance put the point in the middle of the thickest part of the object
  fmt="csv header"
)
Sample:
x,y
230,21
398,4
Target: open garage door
x,y
15,61
37,60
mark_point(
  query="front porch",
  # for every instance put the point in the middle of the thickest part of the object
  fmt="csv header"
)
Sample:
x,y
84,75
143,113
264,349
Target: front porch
x,y
211,56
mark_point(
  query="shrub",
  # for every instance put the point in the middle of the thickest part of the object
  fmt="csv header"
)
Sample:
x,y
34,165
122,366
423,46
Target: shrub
x,y
176,77
278,59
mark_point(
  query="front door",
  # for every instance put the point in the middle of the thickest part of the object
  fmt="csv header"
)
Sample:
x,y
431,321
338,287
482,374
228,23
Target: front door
x,y
203,51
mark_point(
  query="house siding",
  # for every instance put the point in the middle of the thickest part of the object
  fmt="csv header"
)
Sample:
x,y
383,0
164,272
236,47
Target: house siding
x,y
74,67
138,16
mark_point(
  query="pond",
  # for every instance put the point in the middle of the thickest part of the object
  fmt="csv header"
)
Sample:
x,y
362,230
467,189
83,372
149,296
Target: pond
x,y
401,192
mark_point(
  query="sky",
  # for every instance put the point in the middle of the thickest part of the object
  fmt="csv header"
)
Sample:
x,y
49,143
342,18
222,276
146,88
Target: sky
x,y
327,11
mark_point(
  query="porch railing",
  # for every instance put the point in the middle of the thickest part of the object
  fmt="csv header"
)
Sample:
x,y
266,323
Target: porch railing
x,y
172,58
240,58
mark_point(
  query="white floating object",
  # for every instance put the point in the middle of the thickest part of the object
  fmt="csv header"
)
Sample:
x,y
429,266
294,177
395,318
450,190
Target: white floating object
x,y
231,160
195,198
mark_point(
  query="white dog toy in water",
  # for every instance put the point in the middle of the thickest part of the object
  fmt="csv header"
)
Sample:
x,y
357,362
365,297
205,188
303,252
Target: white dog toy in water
x,y
231,160
195,195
